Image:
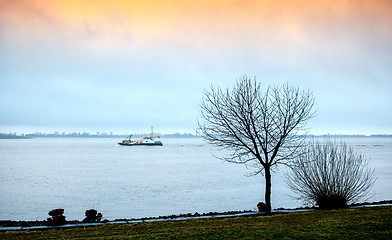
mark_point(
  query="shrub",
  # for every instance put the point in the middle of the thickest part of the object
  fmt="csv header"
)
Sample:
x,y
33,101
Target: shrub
x,y
330,175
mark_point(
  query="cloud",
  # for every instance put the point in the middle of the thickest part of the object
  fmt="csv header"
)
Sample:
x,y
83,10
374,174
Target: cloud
x,y
129,62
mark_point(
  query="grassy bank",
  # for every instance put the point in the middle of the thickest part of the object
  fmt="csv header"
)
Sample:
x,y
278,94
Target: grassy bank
x,y
360,223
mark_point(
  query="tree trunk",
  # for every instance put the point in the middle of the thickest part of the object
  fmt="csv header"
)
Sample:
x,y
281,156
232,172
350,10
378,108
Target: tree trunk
x,y
268,188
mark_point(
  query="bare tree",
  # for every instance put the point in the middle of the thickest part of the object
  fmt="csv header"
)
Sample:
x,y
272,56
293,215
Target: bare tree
x,y
330,175
262,129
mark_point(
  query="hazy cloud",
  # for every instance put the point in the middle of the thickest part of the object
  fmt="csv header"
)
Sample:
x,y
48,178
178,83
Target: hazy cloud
x,y
124,66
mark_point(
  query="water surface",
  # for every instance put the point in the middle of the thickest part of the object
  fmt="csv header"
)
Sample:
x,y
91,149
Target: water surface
x,y
182,176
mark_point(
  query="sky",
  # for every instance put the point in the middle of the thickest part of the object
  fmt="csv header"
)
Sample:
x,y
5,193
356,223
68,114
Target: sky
x,y
123,66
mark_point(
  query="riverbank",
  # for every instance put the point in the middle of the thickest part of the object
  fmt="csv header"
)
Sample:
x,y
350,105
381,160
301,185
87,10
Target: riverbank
x,y
351,223
7,225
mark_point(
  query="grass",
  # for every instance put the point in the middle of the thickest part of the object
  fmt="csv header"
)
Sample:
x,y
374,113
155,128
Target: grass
x,y
359,223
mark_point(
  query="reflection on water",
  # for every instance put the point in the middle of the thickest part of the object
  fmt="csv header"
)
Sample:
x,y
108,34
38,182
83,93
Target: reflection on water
x,y
182,176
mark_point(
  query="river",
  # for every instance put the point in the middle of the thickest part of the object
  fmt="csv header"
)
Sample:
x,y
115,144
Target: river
x,y
183,176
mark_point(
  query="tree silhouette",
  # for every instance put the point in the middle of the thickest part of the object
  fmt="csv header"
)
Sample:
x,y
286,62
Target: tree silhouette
x,y
261,129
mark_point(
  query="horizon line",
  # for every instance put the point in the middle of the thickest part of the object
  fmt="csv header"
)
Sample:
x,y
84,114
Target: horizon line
x,y
107,134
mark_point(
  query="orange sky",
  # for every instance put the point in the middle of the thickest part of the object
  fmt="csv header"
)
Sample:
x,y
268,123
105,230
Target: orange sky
x,y
157,15
101,25
204,39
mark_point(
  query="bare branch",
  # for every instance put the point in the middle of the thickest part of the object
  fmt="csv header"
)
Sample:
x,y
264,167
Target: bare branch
x,y
330,175
261,129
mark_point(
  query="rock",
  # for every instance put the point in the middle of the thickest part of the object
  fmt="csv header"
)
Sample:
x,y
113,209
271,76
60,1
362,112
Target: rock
x,y
57,218
92,216
56,212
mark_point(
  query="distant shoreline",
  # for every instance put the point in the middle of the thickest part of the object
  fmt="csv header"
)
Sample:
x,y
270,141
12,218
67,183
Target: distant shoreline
x,y
352,136
176,135
31,136
13,137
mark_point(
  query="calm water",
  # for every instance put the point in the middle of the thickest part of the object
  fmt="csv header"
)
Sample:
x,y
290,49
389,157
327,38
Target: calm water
x,y
183,176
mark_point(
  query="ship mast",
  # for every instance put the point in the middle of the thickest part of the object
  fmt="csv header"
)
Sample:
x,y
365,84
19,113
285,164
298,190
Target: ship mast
x,y
152,137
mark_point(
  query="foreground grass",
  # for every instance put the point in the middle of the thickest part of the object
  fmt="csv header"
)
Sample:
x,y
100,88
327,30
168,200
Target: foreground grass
x,y
360,223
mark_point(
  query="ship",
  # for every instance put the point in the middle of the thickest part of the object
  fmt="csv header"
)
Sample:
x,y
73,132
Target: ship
x,y
146,141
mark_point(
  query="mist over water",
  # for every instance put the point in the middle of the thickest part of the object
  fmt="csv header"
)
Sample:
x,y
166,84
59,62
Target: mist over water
x,y
182,176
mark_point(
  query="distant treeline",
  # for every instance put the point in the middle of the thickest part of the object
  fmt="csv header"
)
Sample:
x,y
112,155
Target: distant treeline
x,y
352,136
88,135
12,136
175,135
